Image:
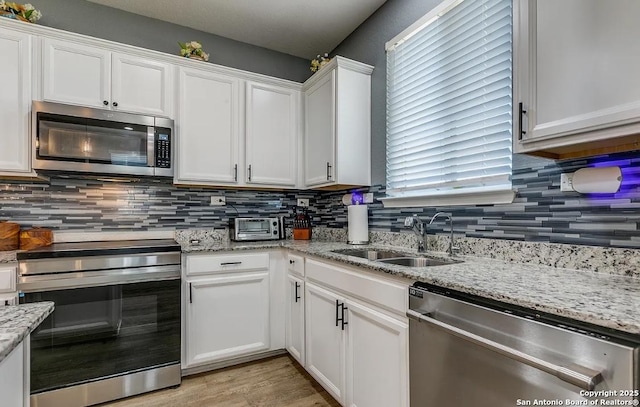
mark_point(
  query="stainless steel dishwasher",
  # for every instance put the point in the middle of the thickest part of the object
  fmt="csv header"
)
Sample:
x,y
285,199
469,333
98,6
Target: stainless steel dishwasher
x,y
465,350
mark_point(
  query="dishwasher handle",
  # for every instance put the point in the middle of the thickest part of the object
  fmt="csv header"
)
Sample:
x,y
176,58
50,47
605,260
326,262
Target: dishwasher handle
x,y
580,376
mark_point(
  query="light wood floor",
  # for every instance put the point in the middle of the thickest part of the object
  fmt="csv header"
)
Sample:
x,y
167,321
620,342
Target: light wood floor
x,y
278,381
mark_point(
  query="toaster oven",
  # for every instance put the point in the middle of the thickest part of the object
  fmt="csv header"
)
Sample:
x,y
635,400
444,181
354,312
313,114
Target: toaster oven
x,y
251,229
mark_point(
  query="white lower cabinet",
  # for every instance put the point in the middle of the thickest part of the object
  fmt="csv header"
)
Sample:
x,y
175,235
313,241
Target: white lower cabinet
x,y
295,317
227,317
231,308
325,347
377,358
357,351
14,376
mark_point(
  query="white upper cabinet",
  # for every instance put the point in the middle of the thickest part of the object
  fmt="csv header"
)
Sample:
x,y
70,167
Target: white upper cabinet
x,y
338,125
15,102
271,134
141,85
576,76
208,128
320,131
86,75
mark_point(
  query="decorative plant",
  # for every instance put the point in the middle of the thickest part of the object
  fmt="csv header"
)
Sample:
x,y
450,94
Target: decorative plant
x,y
24,12
319,62
193,49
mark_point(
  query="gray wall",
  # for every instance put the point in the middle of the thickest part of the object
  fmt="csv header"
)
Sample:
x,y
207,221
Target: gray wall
x,y
83,17
366,44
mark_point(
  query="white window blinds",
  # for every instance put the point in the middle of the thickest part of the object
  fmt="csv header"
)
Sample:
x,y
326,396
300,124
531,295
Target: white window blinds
x,y
449,109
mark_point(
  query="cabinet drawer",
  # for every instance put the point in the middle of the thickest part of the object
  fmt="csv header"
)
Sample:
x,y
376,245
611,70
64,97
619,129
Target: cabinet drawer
x,y
223,263
295,264
7,279
379,291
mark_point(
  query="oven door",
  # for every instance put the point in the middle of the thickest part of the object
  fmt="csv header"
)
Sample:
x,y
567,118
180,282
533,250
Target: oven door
x,y
105,331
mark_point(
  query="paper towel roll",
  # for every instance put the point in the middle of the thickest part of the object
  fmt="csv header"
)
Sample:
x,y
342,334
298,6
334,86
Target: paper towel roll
x,y
358,218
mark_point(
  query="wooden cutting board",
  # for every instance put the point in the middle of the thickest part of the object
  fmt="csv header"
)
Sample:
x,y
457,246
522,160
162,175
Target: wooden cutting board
x,y
9,236
34,238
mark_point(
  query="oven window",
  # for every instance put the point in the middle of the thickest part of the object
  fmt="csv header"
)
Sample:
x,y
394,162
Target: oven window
x,y
255,226
104,331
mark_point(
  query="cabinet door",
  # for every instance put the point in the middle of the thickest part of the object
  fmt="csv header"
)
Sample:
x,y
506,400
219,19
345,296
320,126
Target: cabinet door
x,y
226,317
320,131
76,74
577,70
377,359
207,128
272,130
324,340
141,85
12,376
15,101
295,318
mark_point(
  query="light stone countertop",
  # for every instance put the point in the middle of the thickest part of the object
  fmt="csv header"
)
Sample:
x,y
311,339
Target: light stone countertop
x,y
607,300
18,321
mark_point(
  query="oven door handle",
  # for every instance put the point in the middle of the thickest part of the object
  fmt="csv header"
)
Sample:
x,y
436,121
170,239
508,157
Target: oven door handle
x,y
96,278
580,376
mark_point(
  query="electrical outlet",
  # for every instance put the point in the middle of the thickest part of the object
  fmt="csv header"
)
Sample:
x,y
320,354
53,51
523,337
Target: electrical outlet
x,y
368,197
566,182
303,202
218,201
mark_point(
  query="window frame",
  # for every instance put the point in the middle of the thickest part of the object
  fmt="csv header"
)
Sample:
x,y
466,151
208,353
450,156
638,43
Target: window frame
x,y
490,195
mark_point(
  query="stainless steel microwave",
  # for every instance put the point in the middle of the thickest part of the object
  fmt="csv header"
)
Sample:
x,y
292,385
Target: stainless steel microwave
x,y
81,139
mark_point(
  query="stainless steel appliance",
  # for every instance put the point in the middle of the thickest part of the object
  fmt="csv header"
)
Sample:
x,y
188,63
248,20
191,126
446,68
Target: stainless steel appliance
x,y
465,350
80,139
115,329
250,229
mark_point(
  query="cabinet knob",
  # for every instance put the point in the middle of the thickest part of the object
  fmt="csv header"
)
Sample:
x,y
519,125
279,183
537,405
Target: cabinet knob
x,y
115,104
105,102
291,261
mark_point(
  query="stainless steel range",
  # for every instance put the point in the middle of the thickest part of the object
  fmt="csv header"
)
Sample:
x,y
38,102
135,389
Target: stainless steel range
x,y
115,330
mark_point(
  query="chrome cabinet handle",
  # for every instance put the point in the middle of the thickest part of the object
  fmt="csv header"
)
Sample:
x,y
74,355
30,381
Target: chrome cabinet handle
x,y
580,376
235,172
230,263
329,166
249,172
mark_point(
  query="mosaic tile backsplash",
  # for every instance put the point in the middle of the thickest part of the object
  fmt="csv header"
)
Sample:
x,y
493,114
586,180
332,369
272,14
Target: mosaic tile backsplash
x,y
539,213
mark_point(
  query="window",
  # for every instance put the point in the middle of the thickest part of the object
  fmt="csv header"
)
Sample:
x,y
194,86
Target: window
x,y
449,106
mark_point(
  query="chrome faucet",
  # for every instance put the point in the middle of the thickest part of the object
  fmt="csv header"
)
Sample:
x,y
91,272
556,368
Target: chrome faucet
x,y
452,247
419,228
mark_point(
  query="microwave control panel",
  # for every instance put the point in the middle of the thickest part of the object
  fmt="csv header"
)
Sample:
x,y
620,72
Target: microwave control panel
x,y
163,150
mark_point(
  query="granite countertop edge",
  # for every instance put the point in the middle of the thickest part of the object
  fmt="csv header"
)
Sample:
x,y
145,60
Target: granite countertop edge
x,y
606,300
18,321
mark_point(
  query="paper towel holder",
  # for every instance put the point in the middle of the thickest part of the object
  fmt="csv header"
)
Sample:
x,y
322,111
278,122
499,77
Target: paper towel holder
x,y
597,180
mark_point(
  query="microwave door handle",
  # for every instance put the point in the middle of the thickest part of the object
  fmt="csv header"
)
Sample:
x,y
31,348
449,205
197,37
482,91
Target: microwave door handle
x,y
151,146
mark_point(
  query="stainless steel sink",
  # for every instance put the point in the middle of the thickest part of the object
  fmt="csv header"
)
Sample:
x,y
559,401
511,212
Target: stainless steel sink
x,y
418,261
394,257
372,254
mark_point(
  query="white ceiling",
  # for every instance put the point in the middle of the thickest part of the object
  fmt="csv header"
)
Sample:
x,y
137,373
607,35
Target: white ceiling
x,y
303,28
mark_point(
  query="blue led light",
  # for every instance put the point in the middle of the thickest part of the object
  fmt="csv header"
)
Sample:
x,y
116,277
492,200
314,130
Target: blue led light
x,y
357,198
